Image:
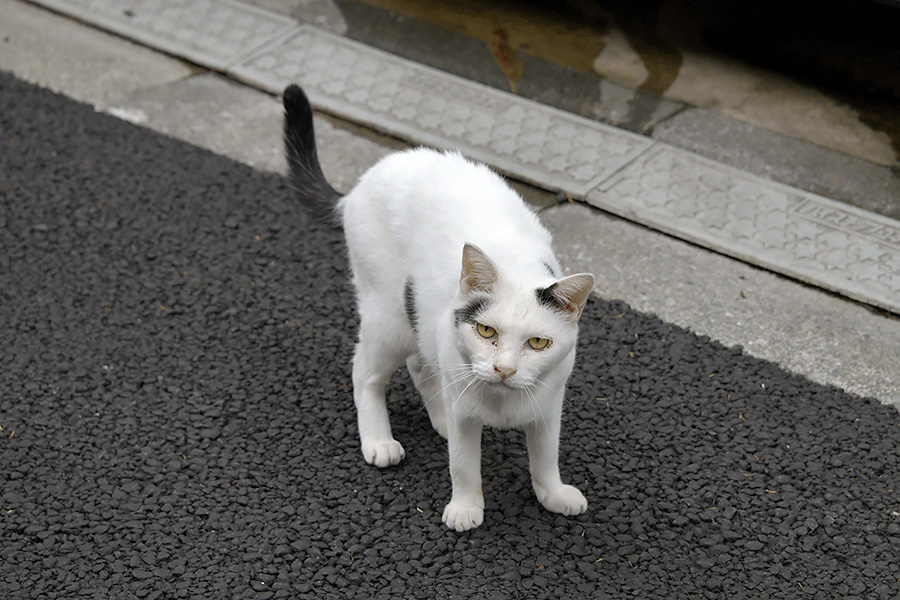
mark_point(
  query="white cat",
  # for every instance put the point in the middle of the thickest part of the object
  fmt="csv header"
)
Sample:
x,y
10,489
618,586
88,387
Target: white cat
x,y
454,276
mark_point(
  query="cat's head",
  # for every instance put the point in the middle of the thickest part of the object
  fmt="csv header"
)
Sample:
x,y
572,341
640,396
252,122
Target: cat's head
x,y
513,328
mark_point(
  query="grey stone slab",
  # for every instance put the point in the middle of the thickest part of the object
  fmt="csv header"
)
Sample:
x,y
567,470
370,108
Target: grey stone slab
x,y
213,112
237,121
785,159
214,33
83,63
836,246
536,143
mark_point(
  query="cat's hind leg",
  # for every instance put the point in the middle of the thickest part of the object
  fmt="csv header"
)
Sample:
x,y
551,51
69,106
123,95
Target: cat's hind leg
x,y
373,364
428,382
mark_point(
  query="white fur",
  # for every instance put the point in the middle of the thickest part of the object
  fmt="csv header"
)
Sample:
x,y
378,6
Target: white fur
x,y
409,218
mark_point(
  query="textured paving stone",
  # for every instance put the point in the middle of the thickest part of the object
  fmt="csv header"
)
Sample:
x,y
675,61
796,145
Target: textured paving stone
x,y
535,142
214,33
812,238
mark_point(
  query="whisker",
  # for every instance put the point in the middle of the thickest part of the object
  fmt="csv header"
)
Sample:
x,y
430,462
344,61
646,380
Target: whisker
x,y
566,401
468,385
458,372
458,368
454,380
535,407
532,401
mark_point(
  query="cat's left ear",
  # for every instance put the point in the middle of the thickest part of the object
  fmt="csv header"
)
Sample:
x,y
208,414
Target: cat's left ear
x,y
568,295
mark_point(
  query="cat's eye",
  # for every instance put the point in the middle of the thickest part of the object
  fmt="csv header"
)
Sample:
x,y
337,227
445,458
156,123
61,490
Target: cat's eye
x,y
538,343
485,331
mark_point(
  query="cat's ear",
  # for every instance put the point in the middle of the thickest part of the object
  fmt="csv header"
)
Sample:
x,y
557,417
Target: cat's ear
x,y
568,295
478,271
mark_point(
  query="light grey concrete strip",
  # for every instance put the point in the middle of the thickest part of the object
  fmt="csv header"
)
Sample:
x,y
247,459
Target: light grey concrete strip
x,y
213,33
214,112
834,245
80,62
237,121
536,143
803,329
788,160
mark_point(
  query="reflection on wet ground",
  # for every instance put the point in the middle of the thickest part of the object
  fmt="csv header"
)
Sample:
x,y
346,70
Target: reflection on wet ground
x,y
825,74
551,31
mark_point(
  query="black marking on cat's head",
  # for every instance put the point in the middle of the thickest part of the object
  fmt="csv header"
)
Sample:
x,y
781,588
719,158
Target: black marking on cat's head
x,y
409,302
551,270
568,295
546,298
470,310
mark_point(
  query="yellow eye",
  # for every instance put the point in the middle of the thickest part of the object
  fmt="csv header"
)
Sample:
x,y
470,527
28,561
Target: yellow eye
x,y
485,331
538,343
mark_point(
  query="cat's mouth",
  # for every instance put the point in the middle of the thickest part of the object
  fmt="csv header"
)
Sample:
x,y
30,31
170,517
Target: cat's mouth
x,y
507,384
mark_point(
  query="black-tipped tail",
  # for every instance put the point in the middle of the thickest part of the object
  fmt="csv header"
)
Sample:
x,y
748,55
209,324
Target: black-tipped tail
x,y
306,174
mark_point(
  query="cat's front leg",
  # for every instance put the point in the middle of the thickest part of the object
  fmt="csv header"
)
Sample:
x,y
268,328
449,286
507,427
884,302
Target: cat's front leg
x,y
542,439
372,368
466,507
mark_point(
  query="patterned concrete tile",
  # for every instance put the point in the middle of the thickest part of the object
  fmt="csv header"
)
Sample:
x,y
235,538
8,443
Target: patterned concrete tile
x,y
214,33
836,246
534,142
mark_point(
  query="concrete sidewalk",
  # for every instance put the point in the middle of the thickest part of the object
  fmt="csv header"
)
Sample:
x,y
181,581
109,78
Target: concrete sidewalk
x,y
806,330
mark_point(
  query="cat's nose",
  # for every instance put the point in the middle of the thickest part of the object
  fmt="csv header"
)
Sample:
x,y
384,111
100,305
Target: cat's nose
x,y
505,372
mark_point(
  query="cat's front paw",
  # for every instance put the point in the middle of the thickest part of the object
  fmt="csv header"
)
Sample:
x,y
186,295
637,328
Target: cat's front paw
x,y
461,515
565,499
383,453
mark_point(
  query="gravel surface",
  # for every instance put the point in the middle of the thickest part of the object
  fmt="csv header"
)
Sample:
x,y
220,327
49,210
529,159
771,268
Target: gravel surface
x,y
177,419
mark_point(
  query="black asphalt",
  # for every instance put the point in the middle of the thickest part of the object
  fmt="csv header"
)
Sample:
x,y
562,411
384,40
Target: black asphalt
x,y
177,419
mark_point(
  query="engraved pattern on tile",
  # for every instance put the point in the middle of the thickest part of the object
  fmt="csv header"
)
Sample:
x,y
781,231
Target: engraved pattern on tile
x,y
212,32
535,142
794,232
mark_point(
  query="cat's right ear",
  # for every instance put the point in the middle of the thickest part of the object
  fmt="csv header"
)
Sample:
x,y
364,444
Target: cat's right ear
x,y
478,271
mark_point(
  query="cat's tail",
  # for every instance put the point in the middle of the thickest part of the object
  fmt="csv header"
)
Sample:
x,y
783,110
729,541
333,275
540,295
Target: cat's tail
x,y
307,179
